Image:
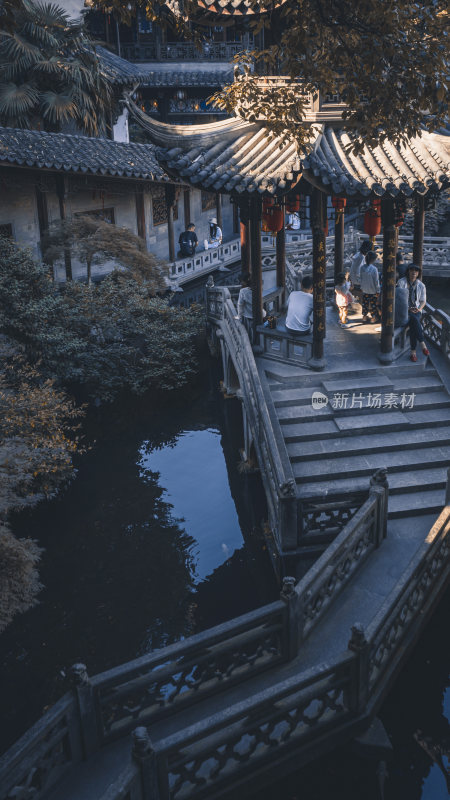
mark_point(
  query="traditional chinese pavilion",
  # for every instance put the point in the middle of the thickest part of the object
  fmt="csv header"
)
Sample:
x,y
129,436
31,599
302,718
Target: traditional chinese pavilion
x,y
262,171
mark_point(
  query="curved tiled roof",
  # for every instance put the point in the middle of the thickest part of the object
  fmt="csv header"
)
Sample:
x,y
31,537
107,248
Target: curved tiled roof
x,y
231,155
235,155
82,154
119,70
418,166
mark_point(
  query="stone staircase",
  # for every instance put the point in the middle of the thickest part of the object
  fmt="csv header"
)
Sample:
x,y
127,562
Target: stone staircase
x,y
333,449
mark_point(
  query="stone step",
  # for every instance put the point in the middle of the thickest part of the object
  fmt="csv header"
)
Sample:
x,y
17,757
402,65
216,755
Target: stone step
x,y
349,426
414,505
370,443
408,482
306,413
302,395
285,374
357,466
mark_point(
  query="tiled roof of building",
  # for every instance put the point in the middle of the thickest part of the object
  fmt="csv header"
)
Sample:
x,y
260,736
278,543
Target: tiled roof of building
x,y
181,77
125,73
119,70
81,154
420,165
234,155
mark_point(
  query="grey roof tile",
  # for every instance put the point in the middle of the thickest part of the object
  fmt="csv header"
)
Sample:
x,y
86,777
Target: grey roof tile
x,y
85,154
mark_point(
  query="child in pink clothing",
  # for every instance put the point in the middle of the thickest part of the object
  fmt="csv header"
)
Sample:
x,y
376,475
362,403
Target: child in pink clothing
x,y
344,298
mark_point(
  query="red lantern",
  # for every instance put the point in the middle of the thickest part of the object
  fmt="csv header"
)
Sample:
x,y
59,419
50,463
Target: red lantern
x,y
273,219
268,202
372,223
293,205
372,218
338,203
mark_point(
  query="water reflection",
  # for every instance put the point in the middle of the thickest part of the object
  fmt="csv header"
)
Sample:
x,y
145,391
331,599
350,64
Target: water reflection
x,y
195,482
143,548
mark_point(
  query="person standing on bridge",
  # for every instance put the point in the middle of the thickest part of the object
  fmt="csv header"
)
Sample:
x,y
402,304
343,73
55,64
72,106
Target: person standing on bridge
x,y
370,287
355,268
417,295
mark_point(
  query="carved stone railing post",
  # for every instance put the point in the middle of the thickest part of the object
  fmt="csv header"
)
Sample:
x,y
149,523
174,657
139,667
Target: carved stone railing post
x,y
287,514
89,724
294,616
379,486
359,691
145,757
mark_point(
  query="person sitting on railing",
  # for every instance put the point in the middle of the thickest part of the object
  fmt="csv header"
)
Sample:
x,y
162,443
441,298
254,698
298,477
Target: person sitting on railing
x,y
417,298
215,234
188,241
300,308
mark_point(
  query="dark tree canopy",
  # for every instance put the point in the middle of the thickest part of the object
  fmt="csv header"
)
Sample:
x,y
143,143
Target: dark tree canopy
x,y
50,74
388,60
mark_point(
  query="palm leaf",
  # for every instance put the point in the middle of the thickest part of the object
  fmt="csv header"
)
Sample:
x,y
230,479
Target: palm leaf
x,y
48,15
42,36
54,66
15,48
17,100
57,107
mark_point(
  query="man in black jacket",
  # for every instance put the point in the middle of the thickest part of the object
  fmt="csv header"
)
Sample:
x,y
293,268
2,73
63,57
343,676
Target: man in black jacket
x,y
188,241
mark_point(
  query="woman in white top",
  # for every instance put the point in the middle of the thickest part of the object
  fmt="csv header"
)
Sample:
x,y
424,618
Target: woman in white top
x,y
215,234
417,298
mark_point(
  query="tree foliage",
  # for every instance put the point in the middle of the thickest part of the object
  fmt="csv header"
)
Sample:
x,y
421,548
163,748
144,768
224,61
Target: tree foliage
x,y
38,432
49,71
94,241
105,339
19,579
387,60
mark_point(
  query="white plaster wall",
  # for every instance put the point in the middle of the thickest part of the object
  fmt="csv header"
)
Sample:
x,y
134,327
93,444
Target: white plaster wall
x,y
18,207
120,129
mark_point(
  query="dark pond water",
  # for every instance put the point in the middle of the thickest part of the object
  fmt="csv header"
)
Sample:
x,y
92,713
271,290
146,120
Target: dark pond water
x,y
155,539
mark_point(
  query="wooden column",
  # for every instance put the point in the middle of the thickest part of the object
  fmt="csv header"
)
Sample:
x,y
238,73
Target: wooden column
x,y
219,210
281,255
170,201
140,213
319,278
244,226
388,289
187,207
60,181
338,243
42,211
256,262
419,229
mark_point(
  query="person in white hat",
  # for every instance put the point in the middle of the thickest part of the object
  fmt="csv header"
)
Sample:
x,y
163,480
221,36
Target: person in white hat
x,y
215,234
